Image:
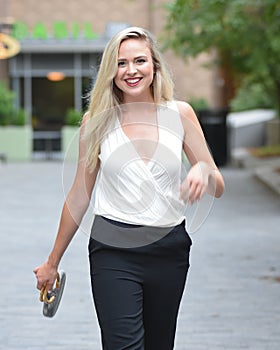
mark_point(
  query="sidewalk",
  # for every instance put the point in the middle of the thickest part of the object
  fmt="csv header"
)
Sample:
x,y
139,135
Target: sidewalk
x,y
266,169
232,297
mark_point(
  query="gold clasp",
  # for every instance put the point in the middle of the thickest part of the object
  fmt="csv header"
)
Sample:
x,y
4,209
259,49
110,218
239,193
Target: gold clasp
x,y
44,292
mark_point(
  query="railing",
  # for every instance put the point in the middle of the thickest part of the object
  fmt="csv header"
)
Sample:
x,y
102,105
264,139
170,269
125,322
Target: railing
x,y
47,137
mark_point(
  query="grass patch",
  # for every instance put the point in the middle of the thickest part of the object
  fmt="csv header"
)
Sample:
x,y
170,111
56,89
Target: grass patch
x,y
266,151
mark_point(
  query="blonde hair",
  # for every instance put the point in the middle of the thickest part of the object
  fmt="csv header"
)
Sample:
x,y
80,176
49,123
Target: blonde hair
x,y
106,98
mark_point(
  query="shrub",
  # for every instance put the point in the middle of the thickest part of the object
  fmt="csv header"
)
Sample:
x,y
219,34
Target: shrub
x,y
251,95
8,114
73,117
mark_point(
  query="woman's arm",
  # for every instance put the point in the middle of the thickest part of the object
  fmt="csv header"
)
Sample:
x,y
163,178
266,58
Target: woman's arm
x,y
74,208
204,176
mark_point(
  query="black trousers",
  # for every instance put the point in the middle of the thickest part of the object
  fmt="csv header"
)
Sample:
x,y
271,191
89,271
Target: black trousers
x,y
137,291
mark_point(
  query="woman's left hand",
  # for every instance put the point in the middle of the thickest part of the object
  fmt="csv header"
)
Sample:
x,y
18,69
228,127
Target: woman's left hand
x,y
196,183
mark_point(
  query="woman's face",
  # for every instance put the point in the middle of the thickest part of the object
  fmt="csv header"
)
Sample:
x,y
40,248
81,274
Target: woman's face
x,y
135,72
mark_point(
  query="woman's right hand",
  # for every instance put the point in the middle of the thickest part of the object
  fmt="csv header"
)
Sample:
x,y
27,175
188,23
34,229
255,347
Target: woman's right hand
x,y
46,276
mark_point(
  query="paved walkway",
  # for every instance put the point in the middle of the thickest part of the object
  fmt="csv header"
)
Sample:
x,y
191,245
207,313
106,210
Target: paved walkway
x,y
232,298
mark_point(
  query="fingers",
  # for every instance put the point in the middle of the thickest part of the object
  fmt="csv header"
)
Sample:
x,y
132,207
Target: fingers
x,y
44,283
45,277
193,194
192,191
195,184
40,282
42,293
196,192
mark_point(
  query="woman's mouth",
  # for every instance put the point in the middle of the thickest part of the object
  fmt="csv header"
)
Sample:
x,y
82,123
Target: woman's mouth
x,y
132,82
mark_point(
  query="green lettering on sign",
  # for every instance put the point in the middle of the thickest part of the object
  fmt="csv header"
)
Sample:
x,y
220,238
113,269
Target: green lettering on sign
x,y
60,30
75,30
89,34
20,30
40,31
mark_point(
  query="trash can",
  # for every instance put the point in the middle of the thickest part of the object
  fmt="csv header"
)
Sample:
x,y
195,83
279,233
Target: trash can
x,y
214,126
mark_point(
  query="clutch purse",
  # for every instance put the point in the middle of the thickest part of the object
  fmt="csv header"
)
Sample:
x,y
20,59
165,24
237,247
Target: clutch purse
x,y
51,299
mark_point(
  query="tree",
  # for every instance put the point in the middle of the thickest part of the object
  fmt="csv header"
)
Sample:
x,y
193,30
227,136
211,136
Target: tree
x,y
244,33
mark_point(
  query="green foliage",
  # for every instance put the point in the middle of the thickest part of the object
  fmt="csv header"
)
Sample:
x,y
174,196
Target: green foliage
x,y
198,104
245,33
18,117
8,114
251,95
73,117
6,104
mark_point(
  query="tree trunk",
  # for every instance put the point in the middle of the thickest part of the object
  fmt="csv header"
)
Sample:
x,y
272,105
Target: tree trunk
x,y
229,79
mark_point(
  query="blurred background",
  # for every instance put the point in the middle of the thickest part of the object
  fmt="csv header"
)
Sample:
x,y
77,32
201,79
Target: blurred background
x,y
223,55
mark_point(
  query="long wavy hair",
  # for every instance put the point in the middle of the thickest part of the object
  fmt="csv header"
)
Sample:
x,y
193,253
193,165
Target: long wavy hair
x,y
106,98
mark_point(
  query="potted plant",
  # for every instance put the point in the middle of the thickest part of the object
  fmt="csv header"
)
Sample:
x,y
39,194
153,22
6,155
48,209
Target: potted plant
x,y
70,134
15,135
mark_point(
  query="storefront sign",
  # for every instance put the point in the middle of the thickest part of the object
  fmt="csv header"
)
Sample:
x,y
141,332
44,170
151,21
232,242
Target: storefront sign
x,y
9,46
60,30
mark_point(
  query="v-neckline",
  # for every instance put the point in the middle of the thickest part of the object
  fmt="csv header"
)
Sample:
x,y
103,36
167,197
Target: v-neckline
x,y
147,162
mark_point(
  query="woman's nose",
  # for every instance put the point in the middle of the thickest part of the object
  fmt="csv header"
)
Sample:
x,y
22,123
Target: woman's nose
x,y
131,69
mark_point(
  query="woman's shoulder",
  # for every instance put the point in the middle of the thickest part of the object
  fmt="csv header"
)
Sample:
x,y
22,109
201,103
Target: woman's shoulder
x,y
187,114
86,116
184,108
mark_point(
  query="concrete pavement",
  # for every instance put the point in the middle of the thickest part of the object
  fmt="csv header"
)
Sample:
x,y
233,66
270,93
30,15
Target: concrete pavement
x,y
232,297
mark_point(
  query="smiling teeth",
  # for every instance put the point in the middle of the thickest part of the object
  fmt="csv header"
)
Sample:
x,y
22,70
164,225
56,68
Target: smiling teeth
x,y
132,81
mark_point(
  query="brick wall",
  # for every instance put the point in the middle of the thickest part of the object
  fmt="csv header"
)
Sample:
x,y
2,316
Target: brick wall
x,y
191,78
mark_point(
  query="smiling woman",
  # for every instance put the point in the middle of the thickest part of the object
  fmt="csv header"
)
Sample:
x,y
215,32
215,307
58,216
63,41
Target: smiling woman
x,y
131,143
135,70
106,95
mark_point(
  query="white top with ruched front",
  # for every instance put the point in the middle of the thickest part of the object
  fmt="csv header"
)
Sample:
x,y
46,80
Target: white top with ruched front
x,y
135,191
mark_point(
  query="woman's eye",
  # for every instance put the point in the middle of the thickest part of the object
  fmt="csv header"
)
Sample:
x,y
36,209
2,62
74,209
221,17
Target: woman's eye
x,y
141,60
121,63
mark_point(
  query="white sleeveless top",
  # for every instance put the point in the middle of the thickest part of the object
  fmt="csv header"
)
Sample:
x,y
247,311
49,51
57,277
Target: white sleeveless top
x,y
132,191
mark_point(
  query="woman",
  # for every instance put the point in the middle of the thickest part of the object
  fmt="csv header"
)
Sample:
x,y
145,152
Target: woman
x,y
132,137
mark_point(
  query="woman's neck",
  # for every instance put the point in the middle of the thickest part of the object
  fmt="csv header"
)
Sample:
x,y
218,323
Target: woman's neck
x,y
147,98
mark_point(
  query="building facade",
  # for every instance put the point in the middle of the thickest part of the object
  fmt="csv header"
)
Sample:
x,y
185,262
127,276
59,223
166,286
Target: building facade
x,y
61,46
